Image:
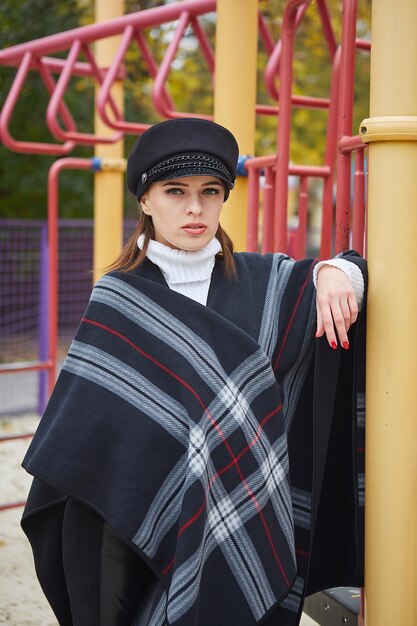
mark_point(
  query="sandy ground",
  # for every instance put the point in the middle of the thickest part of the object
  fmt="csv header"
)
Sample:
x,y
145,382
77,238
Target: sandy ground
x,y
21,600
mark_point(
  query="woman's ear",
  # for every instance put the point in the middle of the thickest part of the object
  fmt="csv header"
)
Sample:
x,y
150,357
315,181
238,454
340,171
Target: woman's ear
x,y
144,203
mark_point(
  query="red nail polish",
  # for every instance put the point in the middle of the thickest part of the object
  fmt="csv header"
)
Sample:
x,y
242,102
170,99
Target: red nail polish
x,y
346,345
334,345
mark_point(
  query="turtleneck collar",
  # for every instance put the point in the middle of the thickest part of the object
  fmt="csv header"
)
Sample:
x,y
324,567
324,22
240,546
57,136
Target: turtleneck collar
x,y
182,266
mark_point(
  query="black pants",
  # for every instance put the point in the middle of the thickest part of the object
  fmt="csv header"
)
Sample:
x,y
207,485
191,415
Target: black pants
x,y
107,582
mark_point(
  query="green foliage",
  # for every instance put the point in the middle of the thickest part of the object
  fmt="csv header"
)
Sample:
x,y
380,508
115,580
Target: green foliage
x,y
23,177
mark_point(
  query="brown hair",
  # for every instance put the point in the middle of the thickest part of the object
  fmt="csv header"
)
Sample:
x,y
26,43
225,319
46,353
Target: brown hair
x,y
131,256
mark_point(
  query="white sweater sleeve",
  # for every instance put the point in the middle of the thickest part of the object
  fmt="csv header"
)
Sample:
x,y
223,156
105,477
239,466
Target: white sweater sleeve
x,y
351,270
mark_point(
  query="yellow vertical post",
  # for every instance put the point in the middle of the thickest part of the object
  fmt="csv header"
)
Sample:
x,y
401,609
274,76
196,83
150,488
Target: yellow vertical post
x,y
391,431
235,96
108,183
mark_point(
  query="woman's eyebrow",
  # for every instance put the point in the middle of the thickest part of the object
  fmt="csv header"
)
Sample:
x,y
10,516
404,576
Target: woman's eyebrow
x,y
173,182
210,183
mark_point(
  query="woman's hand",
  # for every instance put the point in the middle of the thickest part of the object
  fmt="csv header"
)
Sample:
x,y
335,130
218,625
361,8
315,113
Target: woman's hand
x,y
336,304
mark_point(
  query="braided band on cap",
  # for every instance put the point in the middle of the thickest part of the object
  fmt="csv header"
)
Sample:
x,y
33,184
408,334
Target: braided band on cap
x,y
187,164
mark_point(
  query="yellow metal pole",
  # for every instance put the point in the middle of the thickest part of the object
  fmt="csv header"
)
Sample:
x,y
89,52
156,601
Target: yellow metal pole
x,y
391,431
235,96
108,183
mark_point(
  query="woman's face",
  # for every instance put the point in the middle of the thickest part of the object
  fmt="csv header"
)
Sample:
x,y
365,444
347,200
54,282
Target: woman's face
x,y
185,211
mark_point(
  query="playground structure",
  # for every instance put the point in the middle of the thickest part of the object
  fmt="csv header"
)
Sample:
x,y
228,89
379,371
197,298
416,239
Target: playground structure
x,y
391,132
276,168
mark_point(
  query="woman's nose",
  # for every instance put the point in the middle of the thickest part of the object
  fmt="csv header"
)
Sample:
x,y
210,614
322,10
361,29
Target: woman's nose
x,y
194,206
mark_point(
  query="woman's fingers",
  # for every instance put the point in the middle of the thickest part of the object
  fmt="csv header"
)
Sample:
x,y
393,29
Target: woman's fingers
x,y
337,308
341,321
353,307
328,323
334,318
320,327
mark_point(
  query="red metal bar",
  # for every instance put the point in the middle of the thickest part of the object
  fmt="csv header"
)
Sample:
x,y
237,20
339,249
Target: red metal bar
x,y
268,211
312,171
56,99
260,162
301,241
310,102
253,210
162,74
363,44
204,43
99,77
50,86
265,35
307,102
348,144
12,505
50,364
54,171
126,24
152,64
273,66
272,70
111,76
327,27
358,227
56,65
329,159
292,11
25,366
88,34
6,114
17,436
347,71
38,50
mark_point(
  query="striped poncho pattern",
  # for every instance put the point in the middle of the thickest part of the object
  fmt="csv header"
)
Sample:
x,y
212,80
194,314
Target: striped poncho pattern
x,y
189,429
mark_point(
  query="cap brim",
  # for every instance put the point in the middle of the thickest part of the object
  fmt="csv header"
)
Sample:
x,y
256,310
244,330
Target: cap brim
x,y
194,171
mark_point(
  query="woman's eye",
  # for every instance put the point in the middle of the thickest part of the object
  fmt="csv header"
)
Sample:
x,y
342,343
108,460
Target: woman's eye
x,y
211,191
175,191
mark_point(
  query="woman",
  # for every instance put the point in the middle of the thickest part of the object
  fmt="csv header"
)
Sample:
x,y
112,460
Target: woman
x,y
176,480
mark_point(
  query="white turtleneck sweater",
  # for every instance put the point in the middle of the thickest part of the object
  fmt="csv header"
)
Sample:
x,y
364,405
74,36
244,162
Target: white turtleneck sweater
x,y
189,272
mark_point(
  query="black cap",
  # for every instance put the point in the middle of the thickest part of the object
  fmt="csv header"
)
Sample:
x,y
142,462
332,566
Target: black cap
x,y
182,147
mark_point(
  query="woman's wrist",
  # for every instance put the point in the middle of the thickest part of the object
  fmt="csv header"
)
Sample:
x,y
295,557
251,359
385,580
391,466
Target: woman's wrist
x,y
350,269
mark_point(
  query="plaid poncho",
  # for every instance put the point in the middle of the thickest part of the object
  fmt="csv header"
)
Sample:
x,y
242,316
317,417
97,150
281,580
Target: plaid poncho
x,y
200,435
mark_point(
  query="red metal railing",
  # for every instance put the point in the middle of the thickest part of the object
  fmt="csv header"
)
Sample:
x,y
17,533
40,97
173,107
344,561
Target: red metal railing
x,y
50,364
35,55
340,231
277,168
339,144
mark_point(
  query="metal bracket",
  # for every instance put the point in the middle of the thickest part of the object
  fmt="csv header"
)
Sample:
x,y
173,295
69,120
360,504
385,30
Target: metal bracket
x,y
390,128
98,164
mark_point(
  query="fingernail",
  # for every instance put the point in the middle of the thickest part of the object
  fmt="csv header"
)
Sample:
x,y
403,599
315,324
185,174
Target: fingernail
x,y
317,333
346,345
334,345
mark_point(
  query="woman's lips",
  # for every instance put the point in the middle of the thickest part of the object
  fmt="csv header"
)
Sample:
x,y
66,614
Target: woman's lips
x,y
195,229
